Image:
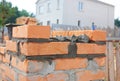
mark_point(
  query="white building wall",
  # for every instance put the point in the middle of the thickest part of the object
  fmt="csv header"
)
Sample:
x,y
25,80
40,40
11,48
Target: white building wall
x,y
93,11
102,15
111,17
54,13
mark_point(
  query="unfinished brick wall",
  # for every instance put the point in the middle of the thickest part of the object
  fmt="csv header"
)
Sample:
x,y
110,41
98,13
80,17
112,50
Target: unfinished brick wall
x,y
29,56
26,20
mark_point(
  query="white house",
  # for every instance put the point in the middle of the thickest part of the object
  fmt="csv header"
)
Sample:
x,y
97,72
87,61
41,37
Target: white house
x,y
75,12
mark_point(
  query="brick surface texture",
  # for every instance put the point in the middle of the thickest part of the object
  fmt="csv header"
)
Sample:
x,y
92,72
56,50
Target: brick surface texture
x,y
31,31
54,62
26,20
90,76
54,48
96,35
69,64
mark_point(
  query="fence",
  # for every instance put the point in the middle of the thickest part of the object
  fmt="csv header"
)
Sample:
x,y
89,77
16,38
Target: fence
x,y
113,59
112,32
67,27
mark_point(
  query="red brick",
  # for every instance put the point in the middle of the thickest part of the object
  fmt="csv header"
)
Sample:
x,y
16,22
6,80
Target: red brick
x,y
2,50
21,20
27,66
32,21
90,76
31,78
6,58
60,33
31,31
80,32
58,77
19,65
7,72
12,46
6,38
1,74
96,35
1,57
70,63
26,20
53,48
100,61
86,48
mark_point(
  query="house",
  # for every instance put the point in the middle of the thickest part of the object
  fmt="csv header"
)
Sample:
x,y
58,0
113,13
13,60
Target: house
x,y
75,12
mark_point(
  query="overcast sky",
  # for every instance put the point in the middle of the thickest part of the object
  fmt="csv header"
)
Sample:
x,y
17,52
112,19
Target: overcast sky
x,y
30,6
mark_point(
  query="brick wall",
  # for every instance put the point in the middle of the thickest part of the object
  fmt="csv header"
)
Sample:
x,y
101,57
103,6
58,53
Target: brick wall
x,y
26,20
30,56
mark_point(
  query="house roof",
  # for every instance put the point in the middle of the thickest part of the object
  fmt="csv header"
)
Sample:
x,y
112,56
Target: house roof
x,y
37,1
97,1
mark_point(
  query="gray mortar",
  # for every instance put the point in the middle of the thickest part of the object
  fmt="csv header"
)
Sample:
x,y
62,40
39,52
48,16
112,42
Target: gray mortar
x,y
16,76
92,65
48,67
62,71
72,76
7,78
32,66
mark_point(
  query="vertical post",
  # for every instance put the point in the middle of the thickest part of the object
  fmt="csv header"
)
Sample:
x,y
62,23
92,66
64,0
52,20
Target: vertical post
x,y
107,61
111,67
10,32
118,62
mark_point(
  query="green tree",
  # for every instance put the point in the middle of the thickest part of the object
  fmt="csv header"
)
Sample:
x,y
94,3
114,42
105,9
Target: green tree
x,y
0,21
18,13
8,14
117,22
24,13
6,11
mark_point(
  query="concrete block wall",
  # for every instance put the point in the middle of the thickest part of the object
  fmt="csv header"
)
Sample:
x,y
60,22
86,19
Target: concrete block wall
x,y
30,57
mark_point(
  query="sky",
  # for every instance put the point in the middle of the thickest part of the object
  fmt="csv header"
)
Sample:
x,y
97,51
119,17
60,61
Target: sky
x,y
30,5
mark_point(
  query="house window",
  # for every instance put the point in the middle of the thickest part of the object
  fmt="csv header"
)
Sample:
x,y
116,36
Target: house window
x,y
48,22
41,9
57,21
79,23
49,7
58,4
80,6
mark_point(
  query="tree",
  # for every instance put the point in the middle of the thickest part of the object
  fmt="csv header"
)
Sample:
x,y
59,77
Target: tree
x,y
24,13
6,11
8,14
18,13
0,21
117,22
12,19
